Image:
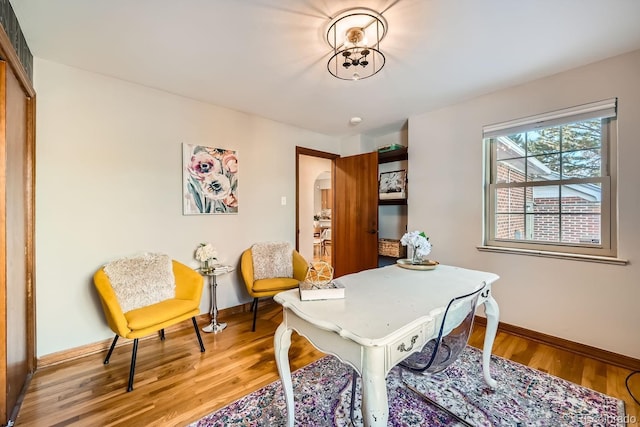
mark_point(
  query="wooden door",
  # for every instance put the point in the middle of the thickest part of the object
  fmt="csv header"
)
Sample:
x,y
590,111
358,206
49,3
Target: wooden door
x,y
355,218
16,204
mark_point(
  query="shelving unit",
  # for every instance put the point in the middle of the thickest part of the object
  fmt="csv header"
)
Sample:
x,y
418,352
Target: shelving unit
x,y
397,155
392,202
392,156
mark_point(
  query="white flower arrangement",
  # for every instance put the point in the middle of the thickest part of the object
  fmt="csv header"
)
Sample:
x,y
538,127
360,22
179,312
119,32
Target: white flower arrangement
x,y
206,252
418,241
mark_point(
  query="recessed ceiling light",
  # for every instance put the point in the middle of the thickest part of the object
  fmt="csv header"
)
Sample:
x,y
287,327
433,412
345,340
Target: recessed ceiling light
x,y
355,120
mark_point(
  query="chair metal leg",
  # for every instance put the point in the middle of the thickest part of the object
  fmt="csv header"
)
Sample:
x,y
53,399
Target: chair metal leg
x,y
354,379
133,364
195,326
434,403
410,387
113,345
255,314
134,352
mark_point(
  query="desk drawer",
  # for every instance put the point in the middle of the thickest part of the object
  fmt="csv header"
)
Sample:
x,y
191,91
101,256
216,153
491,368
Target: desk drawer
x,y
404,346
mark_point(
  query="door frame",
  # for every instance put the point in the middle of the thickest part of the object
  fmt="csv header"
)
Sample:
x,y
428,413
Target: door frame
x,y
302,151
8,409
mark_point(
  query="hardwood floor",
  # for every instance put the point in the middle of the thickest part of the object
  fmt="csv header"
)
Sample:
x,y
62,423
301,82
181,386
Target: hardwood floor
x,y
322,255
175,384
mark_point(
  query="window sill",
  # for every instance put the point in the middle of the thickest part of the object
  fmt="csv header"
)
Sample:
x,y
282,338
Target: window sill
x,y
560,255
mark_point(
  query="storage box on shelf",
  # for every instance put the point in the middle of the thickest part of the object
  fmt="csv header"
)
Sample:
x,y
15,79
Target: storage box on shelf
x,y
391,248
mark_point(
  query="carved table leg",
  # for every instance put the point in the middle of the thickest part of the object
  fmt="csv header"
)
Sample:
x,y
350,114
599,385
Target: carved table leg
x,y
492,311
375,404
282,342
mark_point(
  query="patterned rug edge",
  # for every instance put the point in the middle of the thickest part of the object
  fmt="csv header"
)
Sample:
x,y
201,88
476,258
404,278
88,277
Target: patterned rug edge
x,y
269,403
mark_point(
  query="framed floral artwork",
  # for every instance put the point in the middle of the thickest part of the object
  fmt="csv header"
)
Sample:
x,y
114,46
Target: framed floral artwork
x,y
210,180
393,185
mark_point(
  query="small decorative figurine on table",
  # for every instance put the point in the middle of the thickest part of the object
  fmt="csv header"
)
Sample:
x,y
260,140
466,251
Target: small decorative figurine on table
x,y
319,284
319,274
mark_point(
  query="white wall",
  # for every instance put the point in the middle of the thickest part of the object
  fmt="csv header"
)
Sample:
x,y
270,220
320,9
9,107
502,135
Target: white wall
x,y
590,303
109,184
353,145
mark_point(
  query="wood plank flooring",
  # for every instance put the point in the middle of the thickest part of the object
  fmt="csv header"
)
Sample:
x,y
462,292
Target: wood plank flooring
x,y
175,384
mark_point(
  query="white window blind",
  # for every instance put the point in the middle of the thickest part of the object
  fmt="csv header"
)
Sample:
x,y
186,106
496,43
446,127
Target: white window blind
x,y
601,109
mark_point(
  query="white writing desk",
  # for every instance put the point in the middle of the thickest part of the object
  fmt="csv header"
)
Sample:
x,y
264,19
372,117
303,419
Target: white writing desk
x,y
387,314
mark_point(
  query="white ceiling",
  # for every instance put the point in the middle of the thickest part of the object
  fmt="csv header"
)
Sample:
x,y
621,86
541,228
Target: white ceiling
x,y
269,57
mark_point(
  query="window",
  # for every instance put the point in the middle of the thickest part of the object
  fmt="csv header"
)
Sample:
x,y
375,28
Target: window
x,y
549,181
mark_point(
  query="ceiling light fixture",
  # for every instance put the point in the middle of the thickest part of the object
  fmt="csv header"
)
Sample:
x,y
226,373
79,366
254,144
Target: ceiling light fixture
x,y
355,35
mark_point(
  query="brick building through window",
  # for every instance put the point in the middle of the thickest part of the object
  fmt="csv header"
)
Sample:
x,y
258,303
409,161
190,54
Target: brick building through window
x,y
534,213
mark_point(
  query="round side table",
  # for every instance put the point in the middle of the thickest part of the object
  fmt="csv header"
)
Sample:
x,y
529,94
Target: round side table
x,y
211,275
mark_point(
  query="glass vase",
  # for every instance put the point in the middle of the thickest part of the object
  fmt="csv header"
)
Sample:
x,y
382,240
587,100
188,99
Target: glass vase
x,y
415,258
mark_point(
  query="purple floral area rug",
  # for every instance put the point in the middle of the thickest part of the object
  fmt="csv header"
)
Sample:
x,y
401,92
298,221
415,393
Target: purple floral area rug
x,y
524,397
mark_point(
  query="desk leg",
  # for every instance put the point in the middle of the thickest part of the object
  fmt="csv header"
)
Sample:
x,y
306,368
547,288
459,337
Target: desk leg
x,y
375,404
281,343
492,311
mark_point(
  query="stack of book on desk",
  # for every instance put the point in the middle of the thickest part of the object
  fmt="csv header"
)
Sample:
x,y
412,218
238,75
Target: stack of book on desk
x,y
312,292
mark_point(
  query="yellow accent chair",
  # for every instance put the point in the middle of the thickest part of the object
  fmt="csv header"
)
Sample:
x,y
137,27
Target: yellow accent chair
x,y
182,304
269,286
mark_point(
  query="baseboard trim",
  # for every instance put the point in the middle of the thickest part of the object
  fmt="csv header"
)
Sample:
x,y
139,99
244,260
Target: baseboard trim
x,y
103,346
559,343
563,344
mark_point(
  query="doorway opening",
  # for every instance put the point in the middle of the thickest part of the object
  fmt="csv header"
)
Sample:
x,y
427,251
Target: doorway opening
x,y
314,203
322,204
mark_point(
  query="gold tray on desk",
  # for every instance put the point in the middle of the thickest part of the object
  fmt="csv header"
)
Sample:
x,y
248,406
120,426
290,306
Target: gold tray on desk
x,y
427,264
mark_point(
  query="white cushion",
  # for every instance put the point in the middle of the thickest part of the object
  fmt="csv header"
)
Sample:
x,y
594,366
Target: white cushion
x,y
271,260
141,280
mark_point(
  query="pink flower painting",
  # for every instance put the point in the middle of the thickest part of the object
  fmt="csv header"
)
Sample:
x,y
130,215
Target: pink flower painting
x,y
210,177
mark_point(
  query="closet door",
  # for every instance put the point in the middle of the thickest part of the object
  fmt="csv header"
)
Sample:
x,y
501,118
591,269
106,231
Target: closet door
x,y
16,204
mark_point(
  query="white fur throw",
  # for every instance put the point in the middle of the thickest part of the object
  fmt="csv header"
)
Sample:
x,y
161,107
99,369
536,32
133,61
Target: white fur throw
x,y
272,259
141,280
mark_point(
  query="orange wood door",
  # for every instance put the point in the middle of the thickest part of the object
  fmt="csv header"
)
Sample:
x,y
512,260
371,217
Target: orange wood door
x,y
355,214
15,208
